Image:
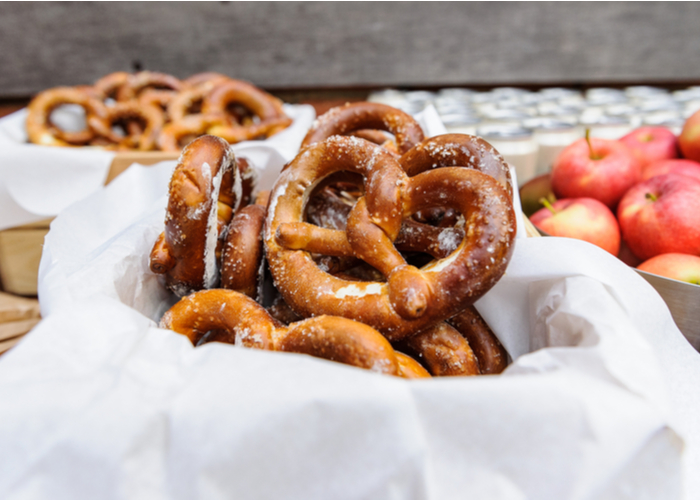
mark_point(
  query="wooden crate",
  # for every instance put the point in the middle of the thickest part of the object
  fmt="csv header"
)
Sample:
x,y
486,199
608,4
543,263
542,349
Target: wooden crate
x,y
20,247
18,315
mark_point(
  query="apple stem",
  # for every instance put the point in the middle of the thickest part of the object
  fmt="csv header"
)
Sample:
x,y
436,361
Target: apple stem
x,y
651,196
548,205
590,146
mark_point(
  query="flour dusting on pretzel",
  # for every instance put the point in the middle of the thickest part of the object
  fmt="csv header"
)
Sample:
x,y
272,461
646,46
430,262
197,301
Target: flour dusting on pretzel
x,y
205,185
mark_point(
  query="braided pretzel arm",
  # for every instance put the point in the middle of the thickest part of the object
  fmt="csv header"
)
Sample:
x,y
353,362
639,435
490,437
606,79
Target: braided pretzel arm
x,y
353,117
457,150
412,299
237,319
39,127
242,256
204,185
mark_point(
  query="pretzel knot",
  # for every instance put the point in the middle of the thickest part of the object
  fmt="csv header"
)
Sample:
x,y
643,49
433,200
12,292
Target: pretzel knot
x,y
411,299
236,319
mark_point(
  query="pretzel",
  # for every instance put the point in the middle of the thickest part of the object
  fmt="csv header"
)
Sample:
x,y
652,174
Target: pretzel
x,y
41,130
453,150
189,100
242,256
157,97
237,319
410,368
257,102
354,117
411,299
265,129
108,86
150,117
490,354
191,126
443,350
204,77
204,192
138,82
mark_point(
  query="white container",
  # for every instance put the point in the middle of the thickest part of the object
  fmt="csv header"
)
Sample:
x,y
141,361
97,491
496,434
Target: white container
x,y
551,136
516,145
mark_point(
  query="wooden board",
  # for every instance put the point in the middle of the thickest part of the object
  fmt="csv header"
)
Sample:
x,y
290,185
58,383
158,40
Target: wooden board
x,y
346,44
13,308
20,254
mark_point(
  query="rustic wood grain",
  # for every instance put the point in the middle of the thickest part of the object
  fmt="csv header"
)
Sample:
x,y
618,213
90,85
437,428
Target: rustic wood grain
x,y
323,44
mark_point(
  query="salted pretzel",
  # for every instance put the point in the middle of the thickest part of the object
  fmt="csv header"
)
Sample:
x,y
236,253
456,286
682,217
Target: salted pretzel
x,y
237,319
42,131
205,190
457,150
490,354
443,350
411,299
242,255
143,80
359,116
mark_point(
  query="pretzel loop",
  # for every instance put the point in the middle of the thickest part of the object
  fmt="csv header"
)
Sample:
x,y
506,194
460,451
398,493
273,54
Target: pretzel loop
x,y
411,299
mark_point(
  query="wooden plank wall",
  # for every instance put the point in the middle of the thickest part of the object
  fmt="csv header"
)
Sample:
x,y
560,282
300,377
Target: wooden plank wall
x,y
297,45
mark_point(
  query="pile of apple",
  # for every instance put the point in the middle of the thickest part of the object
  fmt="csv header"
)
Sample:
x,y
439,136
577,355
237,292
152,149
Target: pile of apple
x,y
637,197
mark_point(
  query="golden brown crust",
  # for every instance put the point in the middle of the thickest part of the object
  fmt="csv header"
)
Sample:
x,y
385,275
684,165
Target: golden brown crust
x,y
139,82
410,368
186,257
412,299
42,131
457,150
238,319
151,117
443,350
173,134
242,257
491,355
359,116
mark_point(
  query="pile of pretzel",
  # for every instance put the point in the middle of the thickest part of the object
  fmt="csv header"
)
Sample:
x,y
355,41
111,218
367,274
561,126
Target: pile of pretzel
x,y
148,111
377,246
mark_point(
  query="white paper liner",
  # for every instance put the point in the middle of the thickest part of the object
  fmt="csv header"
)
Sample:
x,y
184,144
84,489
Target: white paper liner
x,y
97,402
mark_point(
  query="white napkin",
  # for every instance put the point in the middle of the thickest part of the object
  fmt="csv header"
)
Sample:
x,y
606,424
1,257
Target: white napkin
x,y
37,182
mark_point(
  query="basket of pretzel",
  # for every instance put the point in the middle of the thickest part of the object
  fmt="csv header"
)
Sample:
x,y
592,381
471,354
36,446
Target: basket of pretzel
x,y
377,246
150,111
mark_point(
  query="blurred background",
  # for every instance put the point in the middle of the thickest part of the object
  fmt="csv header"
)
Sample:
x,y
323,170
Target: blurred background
x,y
295,48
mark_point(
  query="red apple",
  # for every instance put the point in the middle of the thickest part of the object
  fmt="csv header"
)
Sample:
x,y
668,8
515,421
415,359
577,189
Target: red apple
x,y
684,167
600,169
677,266
581,218
662,215
626,255
689,140
651,144
532,191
